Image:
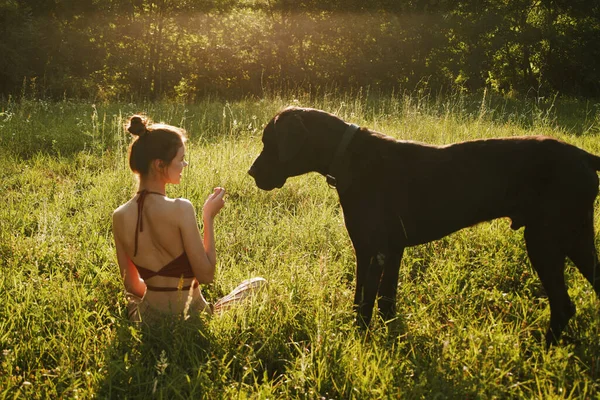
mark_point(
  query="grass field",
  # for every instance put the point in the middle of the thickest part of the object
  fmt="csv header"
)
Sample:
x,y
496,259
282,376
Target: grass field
x,y
471,311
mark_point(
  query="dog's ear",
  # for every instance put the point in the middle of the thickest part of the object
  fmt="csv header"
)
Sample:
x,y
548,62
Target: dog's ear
x,y
291,134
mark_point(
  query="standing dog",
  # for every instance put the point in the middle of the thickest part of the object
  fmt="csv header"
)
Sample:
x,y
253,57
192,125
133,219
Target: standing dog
x,y
397,193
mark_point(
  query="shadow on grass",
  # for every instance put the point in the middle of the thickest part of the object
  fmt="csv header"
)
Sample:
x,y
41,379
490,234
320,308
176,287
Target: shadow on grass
x,y
201,357
171,358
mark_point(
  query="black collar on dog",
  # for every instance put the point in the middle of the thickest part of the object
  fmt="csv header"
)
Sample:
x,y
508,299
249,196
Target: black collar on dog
x,y
336,177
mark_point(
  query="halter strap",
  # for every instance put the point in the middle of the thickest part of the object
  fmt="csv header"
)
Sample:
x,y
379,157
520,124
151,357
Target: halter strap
x,y
139,227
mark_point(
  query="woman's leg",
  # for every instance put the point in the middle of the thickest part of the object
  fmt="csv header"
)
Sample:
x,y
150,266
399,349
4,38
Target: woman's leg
x,y
133,307
244,289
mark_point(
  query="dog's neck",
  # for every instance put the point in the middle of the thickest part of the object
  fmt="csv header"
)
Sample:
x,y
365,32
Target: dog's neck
x,y
339,175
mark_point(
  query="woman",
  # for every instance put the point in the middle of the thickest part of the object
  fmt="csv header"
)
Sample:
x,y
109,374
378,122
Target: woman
x,y
161,254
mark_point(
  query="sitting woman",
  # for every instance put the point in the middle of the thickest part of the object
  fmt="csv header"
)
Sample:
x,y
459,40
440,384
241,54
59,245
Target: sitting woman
x,y
160,251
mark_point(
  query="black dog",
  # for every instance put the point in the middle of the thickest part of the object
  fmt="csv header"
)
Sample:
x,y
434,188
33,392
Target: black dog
x,y
398,193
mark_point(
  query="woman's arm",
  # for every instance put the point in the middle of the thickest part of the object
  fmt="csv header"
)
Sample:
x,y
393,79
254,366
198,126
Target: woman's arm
x,y
134,284
201,251
211,208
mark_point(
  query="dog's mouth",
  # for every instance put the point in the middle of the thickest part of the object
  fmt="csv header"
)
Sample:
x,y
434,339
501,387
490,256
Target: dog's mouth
x,y
268,186
268,182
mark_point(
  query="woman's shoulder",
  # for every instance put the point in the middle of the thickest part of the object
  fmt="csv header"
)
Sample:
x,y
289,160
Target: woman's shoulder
x,y
122,209
121,215
183,205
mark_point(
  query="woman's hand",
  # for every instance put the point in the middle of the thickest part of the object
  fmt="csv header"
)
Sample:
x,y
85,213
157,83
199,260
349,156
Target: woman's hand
x,y
214,203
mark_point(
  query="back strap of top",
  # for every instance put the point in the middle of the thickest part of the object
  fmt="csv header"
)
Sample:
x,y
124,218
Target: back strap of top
x,y
139,227
171,289
177,268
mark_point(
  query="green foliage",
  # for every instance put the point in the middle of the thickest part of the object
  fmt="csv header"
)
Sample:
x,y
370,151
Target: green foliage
x,y
471,312
124,50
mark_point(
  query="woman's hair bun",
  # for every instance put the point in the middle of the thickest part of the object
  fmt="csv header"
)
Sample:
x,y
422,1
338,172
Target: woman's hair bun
x,y
137,125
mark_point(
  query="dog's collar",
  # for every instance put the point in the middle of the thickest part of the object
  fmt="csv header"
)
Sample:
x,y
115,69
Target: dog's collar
x,y
336,177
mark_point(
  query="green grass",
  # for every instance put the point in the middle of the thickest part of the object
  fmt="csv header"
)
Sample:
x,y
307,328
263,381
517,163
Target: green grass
x,y
471,312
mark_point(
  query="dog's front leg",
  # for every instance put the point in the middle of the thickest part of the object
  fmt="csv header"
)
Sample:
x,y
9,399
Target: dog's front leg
x,y
389,285
369,269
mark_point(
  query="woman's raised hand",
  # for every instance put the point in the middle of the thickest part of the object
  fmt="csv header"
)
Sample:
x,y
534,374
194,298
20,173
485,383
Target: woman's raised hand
x,y
214,203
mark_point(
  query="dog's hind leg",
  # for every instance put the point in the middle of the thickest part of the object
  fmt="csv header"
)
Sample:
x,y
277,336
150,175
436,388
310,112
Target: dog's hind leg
x,y
368,276
547,256
389,286
584,254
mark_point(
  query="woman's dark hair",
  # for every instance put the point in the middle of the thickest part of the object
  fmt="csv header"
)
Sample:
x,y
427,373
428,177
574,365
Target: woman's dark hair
x,y
152,142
